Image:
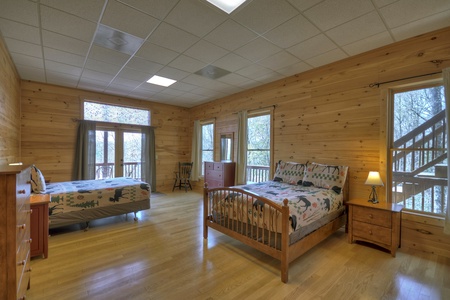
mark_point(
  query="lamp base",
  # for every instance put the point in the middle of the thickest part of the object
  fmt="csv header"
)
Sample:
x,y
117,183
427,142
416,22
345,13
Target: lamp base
x,y
373,197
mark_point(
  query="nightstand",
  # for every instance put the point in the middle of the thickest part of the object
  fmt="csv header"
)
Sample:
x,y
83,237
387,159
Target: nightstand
x,y
378,224
39,224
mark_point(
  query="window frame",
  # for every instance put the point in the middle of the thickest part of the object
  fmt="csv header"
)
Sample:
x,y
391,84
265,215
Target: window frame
x,y
202,162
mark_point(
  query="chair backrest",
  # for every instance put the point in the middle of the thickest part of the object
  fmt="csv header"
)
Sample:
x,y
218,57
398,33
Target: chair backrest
x,y
185,169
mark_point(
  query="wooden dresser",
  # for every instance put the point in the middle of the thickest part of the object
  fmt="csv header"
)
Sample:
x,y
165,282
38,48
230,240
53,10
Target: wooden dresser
x,y
39,224
219,174
14,232
378,224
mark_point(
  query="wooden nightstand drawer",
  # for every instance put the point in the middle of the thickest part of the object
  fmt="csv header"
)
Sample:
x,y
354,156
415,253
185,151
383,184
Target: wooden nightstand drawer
x,y
372,216
372,232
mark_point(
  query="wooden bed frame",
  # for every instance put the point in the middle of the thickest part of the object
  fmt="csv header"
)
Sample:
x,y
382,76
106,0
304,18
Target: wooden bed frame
x,y
270,241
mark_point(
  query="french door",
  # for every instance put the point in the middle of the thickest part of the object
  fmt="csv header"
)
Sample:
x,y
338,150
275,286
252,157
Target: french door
x,y
118,153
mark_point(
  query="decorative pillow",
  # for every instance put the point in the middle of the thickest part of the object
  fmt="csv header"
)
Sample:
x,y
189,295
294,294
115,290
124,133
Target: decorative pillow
x,y
37,180
290,172
325,176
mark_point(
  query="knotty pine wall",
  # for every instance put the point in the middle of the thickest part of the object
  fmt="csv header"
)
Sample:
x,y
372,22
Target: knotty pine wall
x,y
49,130
9,109
330,114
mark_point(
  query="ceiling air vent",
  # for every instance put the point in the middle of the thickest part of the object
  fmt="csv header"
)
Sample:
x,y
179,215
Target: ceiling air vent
x,y
212,72
111,38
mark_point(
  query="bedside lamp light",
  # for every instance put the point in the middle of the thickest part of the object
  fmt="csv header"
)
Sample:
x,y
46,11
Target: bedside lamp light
x,y
374,180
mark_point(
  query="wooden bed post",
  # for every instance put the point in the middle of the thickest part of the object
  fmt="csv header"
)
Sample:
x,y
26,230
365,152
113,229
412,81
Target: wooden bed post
x,y
285,242
205,211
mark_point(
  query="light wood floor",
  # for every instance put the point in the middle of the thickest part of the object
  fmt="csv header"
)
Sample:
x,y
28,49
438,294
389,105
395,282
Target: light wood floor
x,y
164,256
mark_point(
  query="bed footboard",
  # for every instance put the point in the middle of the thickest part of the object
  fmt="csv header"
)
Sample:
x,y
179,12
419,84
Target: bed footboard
x,y
251,219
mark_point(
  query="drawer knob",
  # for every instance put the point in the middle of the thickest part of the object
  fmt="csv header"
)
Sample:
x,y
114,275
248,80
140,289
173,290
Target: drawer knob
x,y
370,232
28,270
21,191
30,241
371,216
30,211
22,263
23,226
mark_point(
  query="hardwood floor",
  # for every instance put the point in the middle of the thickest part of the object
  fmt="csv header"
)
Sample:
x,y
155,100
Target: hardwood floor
x,y
164,256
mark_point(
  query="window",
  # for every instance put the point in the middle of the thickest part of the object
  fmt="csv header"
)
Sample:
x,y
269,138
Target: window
x,y
258,146
207,144
115,114
118,148
418,149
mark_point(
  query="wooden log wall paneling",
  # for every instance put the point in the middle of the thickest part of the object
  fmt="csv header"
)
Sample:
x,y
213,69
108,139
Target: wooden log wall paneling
x,y
49,128
330,114
9,109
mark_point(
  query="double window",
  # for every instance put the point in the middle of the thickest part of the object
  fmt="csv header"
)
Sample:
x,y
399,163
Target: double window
x,y
207,141
418,149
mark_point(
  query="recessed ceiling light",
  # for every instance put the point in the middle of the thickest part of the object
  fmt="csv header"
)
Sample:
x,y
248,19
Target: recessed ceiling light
x,y
163,81
227,5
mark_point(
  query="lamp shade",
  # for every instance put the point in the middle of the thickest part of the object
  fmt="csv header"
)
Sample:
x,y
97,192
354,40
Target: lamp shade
x,y
374,179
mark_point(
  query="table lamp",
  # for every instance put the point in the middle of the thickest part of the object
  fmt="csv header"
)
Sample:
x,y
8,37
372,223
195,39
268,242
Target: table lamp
x,y
374,180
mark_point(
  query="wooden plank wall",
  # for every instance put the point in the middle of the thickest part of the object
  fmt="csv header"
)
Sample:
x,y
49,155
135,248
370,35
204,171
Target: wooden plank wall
x,y
9,109
49,128
330,114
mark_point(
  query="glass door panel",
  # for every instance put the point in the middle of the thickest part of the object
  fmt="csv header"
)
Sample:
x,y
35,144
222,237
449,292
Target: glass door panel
x,y
132,147
105,154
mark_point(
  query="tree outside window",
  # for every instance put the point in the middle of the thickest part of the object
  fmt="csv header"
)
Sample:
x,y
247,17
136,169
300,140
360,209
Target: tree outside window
x,y
207,144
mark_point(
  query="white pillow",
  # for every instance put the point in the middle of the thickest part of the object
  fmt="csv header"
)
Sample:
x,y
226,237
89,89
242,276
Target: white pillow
x,y
37,181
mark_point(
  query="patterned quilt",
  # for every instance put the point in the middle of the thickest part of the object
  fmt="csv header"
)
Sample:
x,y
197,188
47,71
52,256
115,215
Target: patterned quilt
x,y
306,204
84,194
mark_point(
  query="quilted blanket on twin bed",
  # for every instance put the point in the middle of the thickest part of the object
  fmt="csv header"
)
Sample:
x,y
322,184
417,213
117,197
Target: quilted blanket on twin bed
x,y
84,194
306,203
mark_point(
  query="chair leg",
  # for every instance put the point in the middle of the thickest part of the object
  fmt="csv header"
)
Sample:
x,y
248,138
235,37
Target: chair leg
x,y
174,184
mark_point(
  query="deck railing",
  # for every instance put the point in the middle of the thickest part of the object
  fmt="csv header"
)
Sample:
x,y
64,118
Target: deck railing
x,y
257,173
107,170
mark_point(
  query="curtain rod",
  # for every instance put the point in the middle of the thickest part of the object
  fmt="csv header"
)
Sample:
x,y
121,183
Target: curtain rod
x,y
269,106
377,84
114,124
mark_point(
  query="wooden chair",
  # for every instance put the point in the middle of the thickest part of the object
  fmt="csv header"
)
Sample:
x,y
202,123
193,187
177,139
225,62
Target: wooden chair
x,y
183,176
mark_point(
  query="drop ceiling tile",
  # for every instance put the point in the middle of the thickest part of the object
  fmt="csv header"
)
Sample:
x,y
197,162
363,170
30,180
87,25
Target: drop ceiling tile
x,y
90,74
64,43
19,31
86,9
421,26
172,73
369,43
141,26
381,3
312,47
92,84
144,65
253,71
26,60
102,67
63,57
230,35
16,46
232,62
66,24
268,77
263,15
205,52
151,87
187,64
279,60
118,89
31,73
292,32
196,80
62,79
411,10
233,79
357,29
156,53
326,58
172,38
141,93
195,17
62,68
108,55
257,49
134,75
331,13
127,83
22,11
183,86
156,8
295,69
303,5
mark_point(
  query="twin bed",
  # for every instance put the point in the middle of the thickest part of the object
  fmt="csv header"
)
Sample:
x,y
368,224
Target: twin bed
x,y
284,218
74,202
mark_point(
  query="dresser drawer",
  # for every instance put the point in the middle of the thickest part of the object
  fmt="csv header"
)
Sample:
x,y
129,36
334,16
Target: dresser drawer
x,y
370,232
218,167
214,184
214,175
209,165
372,216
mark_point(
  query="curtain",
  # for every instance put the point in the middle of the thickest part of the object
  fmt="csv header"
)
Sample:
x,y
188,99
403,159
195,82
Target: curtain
x,y
84,164
196,151
148,157
446,77
241,176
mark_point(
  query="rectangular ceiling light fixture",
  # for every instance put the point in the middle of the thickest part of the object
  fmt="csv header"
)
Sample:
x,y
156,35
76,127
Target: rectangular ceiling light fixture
x,y
227,5
163,81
